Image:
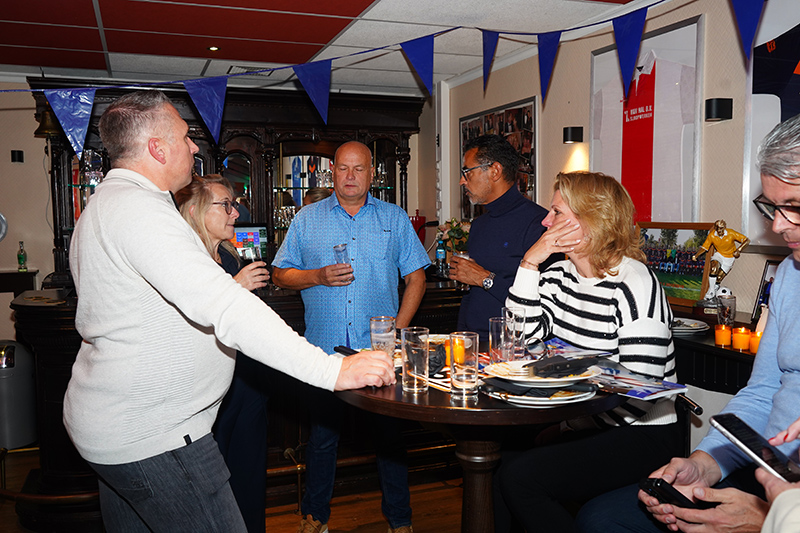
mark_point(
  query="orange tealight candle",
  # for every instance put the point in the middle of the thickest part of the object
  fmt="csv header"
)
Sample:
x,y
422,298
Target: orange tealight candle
x,y
755,339
722,335
741,339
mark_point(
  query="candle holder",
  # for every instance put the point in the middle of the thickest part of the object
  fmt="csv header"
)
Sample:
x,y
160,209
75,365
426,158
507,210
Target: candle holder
x,y
722,335
741,339
755,340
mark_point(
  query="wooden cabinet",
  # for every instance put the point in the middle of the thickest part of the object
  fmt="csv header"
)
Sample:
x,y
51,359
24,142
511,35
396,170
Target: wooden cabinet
x,y
259,127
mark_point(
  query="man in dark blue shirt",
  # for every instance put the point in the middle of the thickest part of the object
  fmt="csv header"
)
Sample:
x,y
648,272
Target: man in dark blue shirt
x,y
497,239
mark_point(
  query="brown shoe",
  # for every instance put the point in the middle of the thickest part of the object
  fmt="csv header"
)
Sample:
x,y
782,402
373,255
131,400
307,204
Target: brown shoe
x,y
309,525
402,529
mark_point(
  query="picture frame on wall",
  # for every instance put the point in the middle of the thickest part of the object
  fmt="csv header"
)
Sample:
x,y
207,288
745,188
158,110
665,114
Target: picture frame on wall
x,y
764,288
650,139
669,247
516,122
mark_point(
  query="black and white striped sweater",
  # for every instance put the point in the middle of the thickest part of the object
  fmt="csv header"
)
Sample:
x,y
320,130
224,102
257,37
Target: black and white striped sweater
x,y
627,315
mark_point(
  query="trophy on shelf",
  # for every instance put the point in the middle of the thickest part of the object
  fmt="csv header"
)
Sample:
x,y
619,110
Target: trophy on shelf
x,y
728,245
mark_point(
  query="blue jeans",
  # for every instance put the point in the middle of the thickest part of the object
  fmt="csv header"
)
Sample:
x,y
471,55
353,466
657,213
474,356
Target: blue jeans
x,y
241,433
183,490
323,443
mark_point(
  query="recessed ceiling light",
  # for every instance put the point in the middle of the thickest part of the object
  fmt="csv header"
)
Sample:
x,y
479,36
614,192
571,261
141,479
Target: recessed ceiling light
x,y
213,48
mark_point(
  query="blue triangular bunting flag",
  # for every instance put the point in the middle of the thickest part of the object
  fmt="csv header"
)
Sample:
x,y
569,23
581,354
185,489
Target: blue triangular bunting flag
x,y
208,96
316,80
420,53
628,36
489,46
748,14
73,108
548,47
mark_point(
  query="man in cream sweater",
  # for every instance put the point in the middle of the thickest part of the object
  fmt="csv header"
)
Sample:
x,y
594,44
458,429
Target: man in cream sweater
x,y
161,322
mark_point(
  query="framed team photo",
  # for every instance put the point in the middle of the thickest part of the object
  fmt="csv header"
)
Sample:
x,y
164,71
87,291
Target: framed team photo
x,y
670,248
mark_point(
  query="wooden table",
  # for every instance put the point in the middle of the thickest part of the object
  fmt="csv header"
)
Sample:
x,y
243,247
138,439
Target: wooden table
x,y
477,447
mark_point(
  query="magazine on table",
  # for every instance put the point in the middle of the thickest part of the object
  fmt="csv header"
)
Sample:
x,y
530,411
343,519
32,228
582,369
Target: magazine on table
x,y
615,377
618,379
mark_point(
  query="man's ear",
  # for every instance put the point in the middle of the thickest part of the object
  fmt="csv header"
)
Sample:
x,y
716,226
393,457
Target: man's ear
x,y
497,171
156,150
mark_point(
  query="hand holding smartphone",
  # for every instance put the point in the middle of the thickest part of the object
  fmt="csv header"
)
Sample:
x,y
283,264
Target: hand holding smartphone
x,y
666,493
756,447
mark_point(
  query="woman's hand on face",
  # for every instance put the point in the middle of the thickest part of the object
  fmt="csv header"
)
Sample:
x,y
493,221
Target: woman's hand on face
x,y
253,276
559,238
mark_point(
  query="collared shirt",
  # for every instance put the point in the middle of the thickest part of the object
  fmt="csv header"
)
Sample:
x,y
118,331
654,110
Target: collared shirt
x,y
380,242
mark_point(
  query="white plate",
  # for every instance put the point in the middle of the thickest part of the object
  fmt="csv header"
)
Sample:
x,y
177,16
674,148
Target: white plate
x,y
562,398
690,326
503,370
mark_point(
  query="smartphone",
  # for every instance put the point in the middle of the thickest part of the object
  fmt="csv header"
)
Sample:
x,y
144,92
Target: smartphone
x,y
666,493
756,447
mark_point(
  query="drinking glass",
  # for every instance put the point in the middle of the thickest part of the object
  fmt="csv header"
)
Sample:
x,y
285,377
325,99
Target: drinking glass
x,y
501,342
515,328
464,363
461,255
726,311
340,253
250,254
382,334
414,347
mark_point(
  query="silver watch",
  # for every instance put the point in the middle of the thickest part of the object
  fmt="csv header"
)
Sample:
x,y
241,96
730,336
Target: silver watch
x,y
488,281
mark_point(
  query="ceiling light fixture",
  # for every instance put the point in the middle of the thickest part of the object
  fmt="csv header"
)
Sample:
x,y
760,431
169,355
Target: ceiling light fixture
x,y
213,48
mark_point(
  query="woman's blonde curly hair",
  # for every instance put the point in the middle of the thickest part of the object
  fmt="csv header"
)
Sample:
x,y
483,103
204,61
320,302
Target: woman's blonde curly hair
x,y
606,209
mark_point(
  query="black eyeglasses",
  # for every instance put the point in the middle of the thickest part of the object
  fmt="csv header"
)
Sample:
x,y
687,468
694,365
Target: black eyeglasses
x,y
465,171
227,206
790,212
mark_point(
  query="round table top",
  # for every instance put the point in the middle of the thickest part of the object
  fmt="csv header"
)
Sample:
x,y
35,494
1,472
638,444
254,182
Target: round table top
x,y
438,406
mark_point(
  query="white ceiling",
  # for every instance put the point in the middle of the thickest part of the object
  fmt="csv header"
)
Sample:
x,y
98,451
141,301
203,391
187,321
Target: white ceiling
x,y
30,35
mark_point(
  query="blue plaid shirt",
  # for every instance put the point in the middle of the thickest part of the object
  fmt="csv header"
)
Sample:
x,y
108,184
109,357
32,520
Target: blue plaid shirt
x,y
380,242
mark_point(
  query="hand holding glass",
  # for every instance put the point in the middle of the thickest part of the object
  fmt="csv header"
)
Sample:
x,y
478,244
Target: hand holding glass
x,y
340,253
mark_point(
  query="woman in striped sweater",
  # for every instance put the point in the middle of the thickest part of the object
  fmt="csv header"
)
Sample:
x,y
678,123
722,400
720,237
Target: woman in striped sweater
x,y
602,297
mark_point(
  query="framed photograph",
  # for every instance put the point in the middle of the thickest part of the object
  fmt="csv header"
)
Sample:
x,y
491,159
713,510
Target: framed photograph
x,y
517,123
670,248
770,267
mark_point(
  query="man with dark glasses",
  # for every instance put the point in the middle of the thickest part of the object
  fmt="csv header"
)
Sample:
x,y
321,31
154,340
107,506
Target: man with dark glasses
x,y
717,471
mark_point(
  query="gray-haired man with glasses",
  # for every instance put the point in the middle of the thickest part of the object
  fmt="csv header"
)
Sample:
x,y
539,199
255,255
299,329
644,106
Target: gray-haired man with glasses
x,y
497,239
717,471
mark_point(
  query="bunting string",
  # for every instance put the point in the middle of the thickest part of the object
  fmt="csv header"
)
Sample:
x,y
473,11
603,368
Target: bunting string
x,y
73,106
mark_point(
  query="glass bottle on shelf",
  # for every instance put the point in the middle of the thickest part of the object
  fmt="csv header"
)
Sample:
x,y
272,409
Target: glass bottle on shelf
x,y
22,258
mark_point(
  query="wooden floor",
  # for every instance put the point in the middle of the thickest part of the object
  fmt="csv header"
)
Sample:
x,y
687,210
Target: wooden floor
x,y
437,506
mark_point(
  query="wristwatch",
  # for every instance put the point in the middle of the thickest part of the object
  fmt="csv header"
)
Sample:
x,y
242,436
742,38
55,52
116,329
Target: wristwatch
x,y
488,281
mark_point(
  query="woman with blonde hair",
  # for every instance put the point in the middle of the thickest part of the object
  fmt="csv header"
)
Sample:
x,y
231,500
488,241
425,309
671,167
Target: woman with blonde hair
x,y
240,430
602,297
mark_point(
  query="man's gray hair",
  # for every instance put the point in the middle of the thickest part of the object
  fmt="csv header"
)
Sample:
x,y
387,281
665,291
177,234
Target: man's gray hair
x,y
779,153
130,121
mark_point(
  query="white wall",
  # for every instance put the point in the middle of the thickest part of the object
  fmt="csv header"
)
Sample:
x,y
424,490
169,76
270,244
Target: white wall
x,y
24,193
